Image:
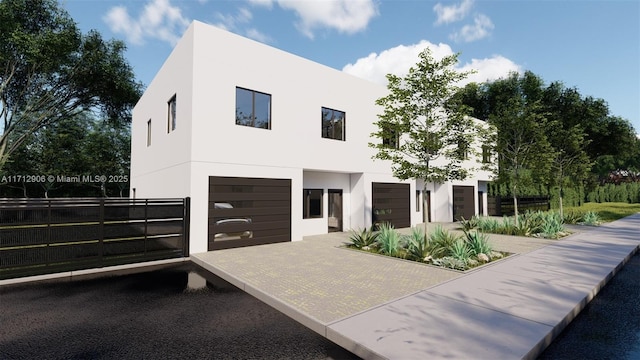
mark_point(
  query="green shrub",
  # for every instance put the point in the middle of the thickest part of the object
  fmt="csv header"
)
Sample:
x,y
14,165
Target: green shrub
x,y
363,238
478,243
460,251
418,245
389,240
573,217
450,262
552,227
591,218
441,242
469,224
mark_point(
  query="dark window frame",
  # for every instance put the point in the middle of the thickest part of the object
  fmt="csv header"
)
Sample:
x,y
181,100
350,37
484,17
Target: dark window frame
x,y
486,154
148,132
252,116
171,114
330,132
306,204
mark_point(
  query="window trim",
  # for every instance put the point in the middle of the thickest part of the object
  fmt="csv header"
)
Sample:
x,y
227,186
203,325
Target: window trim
x,y
306,197
253,108
148,132
344,123
171,114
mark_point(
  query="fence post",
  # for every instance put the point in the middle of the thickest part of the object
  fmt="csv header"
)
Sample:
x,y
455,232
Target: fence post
x,y
48,231
186,223
101,231
146,221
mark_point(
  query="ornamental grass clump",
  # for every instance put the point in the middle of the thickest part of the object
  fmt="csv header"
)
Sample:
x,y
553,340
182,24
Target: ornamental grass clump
x,y
389,241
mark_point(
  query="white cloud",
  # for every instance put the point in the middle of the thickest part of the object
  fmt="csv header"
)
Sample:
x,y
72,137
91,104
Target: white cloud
x,y
347,16
159,20
257,35
399,59
448,14
231,22
481,28
266,3
235,22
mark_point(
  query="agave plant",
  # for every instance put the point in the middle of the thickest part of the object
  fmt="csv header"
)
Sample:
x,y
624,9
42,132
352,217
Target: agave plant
x,y
552,227
591,218
389,240
362,238
460,250
441,242
418,245
478,243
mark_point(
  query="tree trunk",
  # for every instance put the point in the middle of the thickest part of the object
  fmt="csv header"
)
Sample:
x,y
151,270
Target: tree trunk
x,y
515,204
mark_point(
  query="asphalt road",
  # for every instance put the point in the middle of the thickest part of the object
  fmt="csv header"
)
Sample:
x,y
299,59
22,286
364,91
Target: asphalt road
x,y
153,316
149,316
609,326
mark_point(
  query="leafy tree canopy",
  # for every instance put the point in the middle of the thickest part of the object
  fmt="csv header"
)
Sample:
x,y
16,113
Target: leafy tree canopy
x,y
51,72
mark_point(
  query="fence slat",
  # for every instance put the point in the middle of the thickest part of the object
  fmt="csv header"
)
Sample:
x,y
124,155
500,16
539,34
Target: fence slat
x,y
88,233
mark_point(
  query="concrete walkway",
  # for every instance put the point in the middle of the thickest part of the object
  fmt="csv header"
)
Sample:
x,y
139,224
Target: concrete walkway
x,y
380,307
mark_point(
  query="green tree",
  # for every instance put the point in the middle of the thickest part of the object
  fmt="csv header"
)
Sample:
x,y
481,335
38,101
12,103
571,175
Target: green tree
x,y
422,129
52,72
524,152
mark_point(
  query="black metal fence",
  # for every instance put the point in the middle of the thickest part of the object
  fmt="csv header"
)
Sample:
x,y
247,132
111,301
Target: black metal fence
x,y
503,206
43,236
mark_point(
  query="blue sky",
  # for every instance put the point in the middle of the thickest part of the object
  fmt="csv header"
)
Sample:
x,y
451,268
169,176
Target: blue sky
x,y
591,45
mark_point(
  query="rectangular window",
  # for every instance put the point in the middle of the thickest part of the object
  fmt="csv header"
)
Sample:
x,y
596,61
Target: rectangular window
x,y
333,124
171,114
312,207
417,200
149,132
486,154
463,150
253,108
392,138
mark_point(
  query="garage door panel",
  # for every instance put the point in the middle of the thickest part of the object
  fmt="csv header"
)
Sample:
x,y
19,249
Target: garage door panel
x,y
233,243
231,181
248,211
463,202
391,204
255,204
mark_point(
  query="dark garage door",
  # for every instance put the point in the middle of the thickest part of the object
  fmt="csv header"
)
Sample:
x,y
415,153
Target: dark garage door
x,y
248,211
391,204
463,202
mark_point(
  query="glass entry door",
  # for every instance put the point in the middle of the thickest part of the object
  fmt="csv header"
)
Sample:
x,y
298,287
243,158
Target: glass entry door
x,y
335,210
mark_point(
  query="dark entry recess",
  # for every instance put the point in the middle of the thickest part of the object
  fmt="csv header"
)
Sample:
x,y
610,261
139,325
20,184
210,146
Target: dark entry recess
x,y
463,202
248,211
391,204
335,210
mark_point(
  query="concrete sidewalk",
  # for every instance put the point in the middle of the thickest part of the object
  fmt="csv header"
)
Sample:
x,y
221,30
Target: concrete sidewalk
x,y
379,307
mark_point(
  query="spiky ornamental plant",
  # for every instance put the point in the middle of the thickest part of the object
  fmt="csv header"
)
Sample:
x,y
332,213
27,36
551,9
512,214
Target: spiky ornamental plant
x,y
422,121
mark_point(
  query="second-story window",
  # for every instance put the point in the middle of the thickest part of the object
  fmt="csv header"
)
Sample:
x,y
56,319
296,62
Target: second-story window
x,y
333,124
253,108
149,132
171,117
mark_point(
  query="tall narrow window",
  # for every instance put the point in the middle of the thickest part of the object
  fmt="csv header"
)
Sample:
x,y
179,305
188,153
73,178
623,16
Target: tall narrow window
x,y
391,138
149,132
333,124
312,206
486,154
463,149
417,200
171,117
253,108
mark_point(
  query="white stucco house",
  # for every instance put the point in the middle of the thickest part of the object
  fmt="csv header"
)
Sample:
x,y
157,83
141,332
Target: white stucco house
x,y
272,147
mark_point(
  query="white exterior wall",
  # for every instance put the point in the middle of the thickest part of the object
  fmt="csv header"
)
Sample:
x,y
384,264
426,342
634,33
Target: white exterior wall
x,y
203,71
